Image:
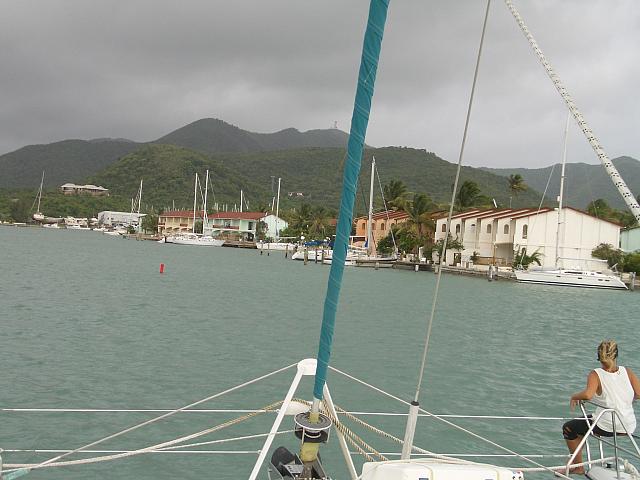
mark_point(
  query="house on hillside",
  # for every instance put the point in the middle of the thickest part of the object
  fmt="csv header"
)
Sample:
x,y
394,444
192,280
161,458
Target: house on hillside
x,y
493,235
73,189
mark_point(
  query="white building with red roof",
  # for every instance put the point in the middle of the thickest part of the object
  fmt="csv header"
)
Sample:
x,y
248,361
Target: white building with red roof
x,y
493,235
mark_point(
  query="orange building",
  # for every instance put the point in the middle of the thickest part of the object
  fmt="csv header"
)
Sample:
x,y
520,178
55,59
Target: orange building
x,y
380,225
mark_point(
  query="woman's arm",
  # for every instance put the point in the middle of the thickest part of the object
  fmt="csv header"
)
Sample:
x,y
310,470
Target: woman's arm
x,y
635,383
587,394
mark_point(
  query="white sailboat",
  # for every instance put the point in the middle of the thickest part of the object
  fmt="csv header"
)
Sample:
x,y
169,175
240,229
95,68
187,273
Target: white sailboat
x,y
38,216
193,238
278,244
569,277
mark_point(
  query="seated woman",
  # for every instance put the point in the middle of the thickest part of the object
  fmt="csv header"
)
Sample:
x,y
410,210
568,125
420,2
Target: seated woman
x,y
611,386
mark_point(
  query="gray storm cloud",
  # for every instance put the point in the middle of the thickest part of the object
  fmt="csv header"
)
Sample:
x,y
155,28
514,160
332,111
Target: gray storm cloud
x,y
139,69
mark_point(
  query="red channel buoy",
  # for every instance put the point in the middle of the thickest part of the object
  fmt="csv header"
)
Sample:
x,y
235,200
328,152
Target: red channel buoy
x,y
162,268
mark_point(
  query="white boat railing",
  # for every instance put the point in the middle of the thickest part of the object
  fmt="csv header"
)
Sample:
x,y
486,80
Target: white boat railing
x,y
601,440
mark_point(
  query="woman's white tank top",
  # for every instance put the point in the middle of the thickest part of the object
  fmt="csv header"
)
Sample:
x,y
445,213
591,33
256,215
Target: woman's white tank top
x,y
617,393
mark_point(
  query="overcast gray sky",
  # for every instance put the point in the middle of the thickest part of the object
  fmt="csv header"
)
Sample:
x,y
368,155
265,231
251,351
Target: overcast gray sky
x,y
141,68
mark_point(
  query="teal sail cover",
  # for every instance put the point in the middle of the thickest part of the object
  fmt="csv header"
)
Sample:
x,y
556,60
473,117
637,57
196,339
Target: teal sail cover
x,y
359,122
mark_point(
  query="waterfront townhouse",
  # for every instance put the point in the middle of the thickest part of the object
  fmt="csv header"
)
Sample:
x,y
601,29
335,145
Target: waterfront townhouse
x,y
381,224
239,225
491,236
244,224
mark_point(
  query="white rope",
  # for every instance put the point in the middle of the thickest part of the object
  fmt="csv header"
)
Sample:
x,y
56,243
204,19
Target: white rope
x,y
223,410
153,420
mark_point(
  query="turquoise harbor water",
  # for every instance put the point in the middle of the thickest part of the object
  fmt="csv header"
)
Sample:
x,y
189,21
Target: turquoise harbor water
x,y
88,322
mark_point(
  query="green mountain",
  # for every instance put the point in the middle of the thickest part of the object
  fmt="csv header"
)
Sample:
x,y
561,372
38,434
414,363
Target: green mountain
x,y
317,174
583,183
74,160
210,135
66,161
168,175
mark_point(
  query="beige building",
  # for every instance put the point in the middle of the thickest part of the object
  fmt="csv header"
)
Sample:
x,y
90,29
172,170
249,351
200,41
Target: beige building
x,y
381,223
73,189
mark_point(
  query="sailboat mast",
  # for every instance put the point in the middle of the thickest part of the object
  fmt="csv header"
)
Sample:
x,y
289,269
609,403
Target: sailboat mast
x,y
195,196
370,221
278,210
205,216
140,197
40,192
617,180
240,200
561,196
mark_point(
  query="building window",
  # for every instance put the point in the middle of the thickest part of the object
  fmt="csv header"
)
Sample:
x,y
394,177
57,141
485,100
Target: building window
x,y
506,229
364,226
525,231
444,227
382,226
373,226
457,229
489,228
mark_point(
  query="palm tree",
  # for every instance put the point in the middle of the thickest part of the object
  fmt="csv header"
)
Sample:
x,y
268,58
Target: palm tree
x,y
516,185
300,218
419,219
521,258
394,193
468,195
318,222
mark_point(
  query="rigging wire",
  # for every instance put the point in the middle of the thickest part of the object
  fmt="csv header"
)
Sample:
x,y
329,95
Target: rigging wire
x,y
535,217
386,211
450,215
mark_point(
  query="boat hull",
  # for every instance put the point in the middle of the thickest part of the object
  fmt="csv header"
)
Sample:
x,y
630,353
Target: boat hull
x,y
571,278
195,240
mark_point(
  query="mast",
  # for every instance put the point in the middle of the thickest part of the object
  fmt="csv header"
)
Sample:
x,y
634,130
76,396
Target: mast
x,y
560,197
278,210
195,193
40,192
240,200
140,196
205,217
370,222
359,122
617,180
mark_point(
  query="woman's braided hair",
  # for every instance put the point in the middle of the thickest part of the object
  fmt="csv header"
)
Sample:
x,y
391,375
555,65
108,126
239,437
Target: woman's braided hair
x,y
607,353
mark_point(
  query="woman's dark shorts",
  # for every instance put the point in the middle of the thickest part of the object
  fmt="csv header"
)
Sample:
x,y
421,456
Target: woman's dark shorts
x,y
579,426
